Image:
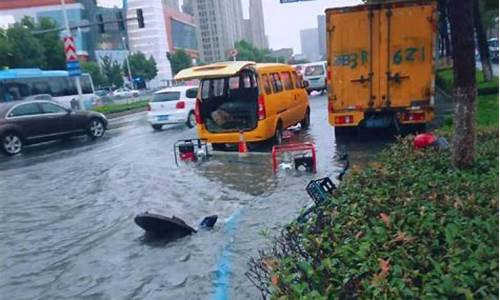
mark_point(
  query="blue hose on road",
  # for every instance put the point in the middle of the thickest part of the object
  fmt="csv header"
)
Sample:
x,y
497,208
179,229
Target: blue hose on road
x,y
224,265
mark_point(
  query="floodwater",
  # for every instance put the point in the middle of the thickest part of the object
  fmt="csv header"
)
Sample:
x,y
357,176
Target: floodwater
x,y
67,214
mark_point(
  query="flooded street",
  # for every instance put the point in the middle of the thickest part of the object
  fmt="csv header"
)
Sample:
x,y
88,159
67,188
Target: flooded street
x,y
67,214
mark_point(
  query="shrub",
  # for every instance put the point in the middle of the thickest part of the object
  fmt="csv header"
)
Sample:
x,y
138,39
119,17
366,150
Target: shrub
x,y
408,226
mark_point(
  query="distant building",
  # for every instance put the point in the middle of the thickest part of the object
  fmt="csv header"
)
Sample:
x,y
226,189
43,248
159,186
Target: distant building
x,y
310,44
220,26
247,30
15,10
322,36
181,32
286,53
152,40
258,33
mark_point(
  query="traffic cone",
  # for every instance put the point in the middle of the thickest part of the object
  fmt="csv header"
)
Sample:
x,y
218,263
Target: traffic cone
x,y
242,145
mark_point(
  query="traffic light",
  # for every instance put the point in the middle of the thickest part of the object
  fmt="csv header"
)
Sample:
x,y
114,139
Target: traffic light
x,y
119,20
140,18
100,23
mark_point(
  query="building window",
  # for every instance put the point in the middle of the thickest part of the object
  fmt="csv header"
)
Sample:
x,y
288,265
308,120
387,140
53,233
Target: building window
x,y
184,35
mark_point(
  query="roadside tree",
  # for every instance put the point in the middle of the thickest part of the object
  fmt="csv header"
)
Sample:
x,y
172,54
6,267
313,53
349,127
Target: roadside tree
x,y
141,67
112,71
53,45
25,50
180,60
95,72
461,16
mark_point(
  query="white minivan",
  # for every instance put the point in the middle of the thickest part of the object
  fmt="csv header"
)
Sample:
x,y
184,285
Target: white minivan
x,y
315,75
174,105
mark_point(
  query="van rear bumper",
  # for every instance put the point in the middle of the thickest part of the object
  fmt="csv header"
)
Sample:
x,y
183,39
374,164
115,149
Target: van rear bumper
x,y
353,118
265,130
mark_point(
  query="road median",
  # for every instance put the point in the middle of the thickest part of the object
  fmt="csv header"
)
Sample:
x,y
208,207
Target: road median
x,y
408,226
121,109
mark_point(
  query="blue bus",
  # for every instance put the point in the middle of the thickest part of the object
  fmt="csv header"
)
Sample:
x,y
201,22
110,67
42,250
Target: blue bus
x,y
19,84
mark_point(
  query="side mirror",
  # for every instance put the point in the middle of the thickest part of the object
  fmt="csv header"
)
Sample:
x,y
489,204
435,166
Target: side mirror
x,y
305,84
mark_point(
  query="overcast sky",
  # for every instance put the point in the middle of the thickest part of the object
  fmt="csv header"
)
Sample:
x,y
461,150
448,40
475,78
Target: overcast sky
x,y
283,22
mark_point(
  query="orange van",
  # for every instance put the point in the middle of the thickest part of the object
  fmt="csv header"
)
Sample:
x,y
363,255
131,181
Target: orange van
x,y
259,100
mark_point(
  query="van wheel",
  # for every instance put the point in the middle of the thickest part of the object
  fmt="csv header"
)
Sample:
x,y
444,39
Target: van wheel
x,y
278,135
157,127
219,147
191,120
304,124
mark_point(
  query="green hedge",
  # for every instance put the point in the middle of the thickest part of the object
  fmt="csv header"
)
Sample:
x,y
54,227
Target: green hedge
x,y
410,226
121,107
444,79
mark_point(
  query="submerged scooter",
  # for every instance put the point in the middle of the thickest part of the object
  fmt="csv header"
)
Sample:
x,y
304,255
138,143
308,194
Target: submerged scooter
x,y
170,227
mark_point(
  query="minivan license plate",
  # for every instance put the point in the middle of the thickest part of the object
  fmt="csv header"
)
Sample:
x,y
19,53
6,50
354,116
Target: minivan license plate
x,y
162,118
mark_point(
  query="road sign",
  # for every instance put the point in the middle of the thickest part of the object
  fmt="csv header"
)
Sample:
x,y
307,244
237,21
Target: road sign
x,y
72,63
70,49
73,68
233,52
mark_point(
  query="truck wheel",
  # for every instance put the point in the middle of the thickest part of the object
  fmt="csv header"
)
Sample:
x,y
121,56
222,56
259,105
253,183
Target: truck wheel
x,y
219,147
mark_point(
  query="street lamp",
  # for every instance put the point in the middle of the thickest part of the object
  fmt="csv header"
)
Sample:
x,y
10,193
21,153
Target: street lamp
x,y
128,62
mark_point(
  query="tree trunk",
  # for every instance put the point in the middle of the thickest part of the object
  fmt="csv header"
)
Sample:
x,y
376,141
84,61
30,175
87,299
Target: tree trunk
x,y
482,44
462,38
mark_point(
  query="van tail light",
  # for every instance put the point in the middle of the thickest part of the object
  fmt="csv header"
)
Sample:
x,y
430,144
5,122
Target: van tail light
x,y
180,105
261,112
344,120
197,111
149,107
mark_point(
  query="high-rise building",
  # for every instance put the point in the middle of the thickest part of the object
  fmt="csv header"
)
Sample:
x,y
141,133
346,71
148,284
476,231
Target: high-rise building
x,y
187,7
181,32
220,26
152,39
171,4
257,24
310,44
247,30
322,36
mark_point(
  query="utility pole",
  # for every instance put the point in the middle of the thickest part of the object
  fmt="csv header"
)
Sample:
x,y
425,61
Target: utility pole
x,y
77,78
128,62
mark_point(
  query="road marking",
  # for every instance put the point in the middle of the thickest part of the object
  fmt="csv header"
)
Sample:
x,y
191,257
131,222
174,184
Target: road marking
x,y
223,273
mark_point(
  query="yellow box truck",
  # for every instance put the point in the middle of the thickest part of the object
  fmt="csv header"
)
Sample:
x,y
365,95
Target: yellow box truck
x,y
381,64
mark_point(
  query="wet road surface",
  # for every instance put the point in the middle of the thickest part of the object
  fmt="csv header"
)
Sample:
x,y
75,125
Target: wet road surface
x,y
67,212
